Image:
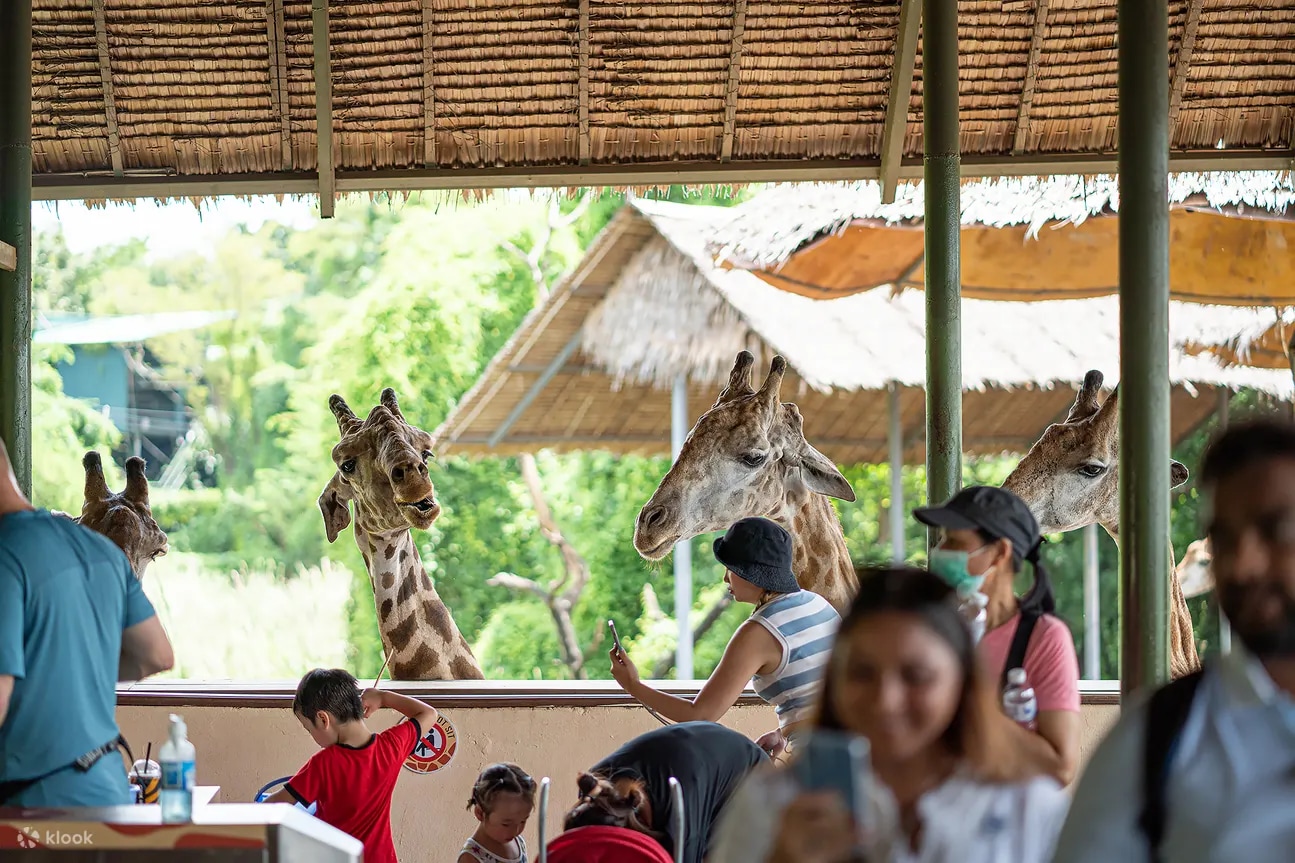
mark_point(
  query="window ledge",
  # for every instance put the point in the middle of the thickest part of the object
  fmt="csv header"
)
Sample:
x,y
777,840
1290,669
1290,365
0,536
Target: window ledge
x,y
459,693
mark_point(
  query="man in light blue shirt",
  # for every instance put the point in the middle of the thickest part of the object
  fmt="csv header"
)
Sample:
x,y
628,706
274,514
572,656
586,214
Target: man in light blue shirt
x,y
1229,789
73,621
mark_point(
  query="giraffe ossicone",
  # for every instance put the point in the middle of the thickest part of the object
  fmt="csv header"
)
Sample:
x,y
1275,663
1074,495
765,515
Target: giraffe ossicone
x,y
1070,479
747,456
382,477
124,517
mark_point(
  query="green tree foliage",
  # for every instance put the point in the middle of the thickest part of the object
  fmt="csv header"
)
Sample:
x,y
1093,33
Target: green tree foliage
x,y
419,294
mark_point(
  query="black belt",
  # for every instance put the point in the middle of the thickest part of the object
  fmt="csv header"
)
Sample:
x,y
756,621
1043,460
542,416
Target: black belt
x,y
14,787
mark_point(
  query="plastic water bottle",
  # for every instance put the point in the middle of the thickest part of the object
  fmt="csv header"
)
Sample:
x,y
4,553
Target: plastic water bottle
x,y
177,760
974,609
1018,699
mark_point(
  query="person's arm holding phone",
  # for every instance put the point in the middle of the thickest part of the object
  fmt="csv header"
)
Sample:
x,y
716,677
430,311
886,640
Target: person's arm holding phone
x,y
751,649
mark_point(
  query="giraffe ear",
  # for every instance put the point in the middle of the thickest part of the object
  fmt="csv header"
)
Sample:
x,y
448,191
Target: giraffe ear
x,y
817,470
1177,474
333,505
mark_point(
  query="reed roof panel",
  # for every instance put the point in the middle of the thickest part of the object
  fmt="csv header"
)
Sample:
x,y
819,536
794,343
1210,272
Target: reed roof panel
x,y
222,89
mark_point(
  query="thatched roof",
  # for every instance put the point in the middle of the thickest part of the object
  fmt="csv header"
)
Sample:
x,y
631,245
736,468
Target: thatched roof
x,y
591,368
134,98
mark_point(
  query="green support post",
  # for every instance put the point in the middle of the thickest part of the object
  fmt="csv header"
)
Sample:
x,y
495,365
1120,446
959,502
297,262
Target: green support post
x,y
15,229
941,174
1144,341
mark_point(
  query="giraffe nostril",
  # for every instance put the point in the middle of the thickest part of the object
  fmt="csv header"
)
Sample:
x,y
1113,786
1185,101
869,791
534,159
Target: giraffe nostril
x,y
654,517
398,474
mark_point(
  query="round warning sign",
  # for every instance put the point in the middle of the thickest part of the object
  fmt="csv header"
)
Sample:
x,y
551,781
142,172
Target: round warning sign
x,y
435,750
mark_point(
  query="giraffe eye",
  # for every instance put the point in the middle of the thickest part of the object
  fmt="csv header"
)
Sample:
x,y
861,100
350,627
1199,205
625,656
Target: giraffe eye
x,y
753,459
348,466
1091,469
428,454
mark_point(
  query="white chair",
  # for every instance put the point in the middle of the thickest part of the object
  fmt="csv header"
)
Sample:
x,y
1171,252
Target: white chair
x,y
544,820
676,803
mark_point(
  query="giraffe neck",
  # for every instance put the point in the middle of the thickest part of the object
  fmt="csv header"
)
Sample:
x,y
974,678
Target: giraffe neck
x,y
819,557
1183,658
418,633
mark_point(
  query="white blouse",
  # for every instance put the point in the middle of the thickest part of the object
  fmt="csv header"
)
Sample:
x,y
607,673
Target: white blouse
x,y
965,820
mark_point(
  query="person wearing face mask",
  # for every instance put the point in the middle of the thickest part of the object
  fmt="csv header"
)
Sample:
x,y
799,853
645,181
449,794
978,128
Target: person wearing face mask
x,y
945,784
1204,768
986,534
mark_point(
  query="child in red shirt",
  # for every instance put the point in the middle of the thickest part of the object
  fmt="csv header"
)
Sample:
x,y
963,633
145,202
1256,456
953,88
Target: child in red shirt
x,y
353,775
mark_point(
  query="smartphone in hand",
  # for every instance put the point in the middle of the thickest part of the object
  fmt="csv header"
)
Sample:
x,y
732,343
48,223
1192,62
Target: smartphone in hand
x,y
616,639
835,761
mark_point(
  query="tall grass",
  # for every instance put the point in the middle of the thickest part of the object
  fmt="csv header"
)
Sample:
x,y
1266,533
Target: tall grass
x,y
249,624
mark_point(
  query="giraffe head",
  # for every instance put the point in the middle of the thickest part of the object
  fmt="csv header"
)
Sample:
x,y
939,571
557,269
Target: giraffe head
x,y
1194,572
381,471
1070,477
124,518
746,456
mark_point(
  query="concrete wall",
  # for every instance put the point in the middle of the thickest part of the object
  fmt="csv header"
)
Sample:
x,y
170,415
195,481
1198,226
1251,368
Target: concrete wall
x,y
242,748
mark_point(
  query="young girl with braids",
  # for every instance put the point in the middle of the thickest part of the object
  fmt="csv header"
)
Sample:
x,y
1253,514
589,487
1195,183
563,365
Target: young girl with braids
x,y
604,827
502,800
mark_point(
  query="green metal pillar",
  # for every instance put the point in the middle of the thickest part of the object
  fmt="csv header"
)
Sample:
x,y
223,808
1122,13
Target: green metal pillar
x,y
940,172
1144,341
15,229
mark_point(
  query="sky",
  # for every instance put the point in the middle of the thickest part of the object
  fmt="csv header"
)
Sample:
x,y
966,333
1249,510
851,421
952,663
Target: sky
x,y
168,228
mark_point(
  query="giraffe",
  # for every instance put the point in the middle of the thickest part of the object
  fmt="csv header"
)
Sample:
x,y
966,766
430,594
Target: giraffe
x,y
747,456
1070,478
1194,570
126,517
382,472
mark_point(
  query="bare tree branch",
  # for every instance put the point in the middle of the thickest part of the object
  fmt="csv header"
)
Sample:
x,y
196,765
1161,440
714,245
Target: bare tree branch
x,y
560,610
663,665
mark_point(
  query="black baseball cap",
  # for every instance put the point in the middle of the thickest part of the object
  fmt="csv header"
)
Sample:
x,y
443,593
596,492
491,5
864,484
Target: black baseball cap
x,y
991,509
758,550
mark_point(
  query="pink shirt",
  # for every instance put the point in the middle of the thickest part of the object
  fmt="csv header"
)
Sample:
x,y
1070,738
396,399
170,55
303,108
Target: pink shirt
x,y
1051,666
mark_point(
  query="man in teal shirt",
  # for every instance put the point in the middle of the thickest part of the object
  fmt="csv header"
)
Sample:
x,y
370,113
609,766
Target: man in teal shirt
x,y
73,621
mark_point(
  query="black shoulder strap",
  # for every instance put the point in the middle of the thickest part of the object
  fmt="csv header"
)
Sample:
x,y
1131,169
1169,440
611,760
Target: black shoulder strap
x,y
1166,714
1020,643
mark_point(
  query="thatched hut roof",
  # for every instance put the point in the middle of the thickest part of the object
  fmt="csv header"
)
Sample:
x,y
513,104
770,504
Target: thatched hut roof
x,y
1023,239
591,367
184,98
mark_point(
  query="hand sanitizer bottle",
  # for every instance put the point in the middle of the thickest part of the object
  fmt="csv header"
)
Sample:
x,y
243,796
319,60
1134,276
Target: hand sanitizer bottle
x,y
177,760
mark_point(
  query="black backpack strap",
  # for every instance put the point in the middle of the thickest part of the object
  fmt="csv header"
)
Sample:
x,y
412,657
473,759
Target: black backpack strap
x,y
1020,643
1167,713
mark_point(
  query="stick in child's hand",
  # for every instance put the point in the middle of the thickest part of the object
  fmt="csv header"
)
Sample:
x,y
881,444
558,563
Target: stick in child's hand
x,y
377,679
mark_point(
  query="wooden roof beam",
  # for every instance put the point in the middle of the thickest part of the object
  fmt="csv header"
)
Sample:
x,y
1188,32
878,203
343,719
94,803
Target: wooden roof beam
x,y
429,88
897,102
1183,62
323,108
8,257
1031,75
535,389
730,89
105,74
586,148
274,30
165,184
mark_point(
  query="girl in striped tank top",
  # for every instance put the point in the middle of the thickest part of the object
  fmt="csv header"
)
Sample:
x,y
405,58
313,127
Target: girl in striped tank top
x,y
782,649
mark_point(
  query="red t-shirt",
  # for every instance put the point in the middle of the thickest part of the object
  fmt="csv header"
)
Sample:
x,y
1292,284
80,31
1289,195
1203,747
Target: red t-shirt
x,y
352,786
1051,666
606,845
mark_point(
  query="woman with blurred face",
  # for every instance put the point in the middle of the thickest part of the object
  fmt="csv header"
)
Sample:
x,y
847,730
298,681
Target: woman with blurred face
x,y
946,784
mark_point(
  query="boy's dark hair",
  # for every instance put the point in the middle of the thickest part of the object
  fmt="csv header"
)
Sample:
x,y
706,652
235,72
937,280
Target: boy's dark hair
x,y
332,690
501,779
600,805
1244,444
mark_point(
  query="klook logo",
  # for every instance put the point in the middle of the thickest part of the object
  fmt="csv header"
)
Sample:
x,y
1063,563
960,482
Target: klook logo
x,y
35,837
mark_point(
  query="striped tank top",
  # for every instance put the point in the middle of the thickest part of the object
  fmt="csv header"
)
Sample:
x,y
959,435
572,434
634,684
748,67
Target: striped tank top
x,y
805,625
